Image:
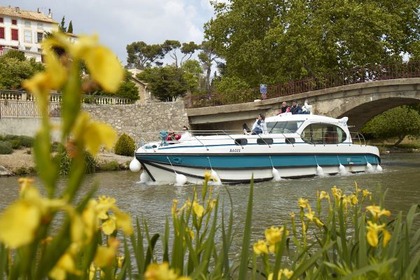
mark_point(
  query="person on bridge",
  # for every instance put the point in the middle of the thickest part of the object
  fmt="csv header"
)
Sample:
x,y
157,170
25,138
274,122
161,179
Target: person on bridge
x,y
284,108
259,126
295,109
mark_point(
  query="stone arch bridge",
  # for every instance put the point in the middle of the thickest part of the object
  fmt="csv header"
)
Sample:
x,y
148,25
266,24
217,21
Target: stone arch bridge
x,y
359,102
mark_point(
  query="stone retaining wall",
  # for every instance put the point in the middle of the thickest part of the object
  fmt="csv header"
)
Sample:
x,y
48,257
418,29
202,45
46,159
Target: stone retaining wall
x,y
140,121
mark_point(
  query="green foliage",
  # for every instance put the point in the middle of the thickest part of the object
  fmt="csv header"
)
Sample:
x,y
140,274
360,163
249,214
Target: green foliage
x,y
13,70
5,148
125,145
18,141
26,141
166,83
398,122
128,90
142,55
233,89
278,41
65,162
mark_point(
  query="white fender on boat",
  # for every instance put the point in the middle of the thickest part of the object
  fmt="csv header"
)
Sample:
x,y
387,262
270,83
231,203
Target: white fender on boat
x,y
369,167
276,174
342,169
216,178
180,179
144,177
135,165
319,171
379,168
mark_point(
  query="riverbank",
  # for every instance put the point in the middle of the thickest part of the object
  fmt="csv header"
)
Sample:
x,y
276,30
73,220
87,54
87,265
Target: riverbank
x,y
21,162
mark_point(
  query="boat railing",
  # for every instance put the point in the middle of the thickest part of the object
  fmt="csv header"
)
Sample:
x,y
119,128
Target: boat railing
x,y
358,138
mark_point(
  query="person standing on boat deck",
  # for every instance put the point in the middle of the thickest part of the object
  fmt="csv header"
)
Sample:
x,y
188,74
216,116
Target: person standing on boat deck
x,y
259,126
295,109
284,108
186,134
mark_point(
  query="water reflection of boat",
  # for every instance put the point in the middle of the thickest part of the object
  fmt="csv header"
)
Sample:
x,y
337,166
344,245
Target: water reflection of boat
x,y
295,146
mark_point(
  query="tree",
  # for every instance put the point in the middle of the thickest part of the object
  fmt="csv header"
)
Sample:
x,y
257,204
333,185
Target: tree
x,y
398,122
15,68
70,28
207,56
166,83
192,75
142,55
276,41
62,25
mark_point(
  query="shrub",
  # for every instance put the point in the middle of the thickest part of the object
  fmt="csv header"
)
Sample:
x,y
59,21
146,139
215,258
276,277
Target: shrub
x,y
5,148
65,162
125,145
110,166
26,141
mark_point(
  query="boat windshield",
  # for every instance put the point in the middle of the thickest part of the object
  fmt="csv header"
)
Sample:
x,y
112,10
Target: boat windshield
x,y
283,126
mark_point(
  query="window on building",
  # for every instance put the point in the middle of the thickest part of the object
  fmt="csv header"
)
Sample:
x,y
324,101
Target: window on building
x,y
27,48
15,34
14,21
28,36
2,33
1,20
27,23
39,37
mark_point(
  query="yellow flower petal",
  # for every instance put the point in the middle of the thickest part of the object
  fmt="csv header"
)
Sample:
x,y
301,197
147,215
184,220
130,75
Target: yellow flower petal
x,y
104,67
109,226
104,256
260,247
98,134
18,223
198,209
124,222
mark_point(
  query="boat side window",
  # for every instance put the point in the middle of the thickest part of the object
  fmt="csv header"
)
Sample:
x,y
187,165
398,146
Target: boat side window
x,y
265,141
283,126
241,141
323,133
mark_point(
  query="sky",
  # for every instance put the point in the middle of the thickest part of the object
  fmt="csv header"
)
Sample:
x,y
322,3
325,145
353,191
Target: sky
x,y
122,22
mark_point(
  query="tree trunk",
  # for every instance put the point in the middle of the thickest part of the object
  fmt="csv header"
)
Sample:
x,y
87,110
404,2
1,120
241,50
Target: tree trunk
x,y
400,139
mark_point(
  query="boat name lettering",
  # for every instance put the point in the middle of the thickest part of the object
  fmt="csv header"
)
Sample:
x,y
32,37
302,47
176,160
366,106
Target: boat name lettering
x,y
235,150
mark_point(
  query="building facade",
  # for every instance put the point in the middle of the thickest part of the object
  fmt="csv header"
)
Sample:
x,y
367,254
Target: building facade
x,y
24,30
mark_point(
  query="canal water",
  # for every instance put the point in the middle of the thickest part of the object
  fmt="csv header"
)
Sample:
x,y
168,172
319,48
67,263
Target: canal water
x,y
273,201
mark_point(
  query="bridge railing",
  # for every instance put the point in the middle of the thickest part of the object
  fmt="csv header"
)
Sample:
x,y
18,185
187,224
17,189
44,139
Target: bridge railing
x,y
357,75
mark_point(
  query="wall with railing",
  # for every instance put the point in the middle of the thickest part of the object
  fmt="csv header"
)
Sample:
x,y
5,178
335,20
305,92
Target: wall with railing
x,y
367,73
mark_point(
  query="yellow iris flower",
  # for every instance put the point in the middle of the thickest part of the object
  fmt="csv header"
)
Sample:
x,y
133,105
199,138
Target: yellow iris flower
x,y
64,265
93,134
198,209
287,273
324,194
162,271
303,203
21,219
373,231
377,212
260,247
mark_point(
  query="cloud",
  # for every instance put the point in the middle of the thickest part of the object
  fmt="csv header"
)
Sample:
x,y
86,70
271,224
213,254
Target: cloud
x,y
119,23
